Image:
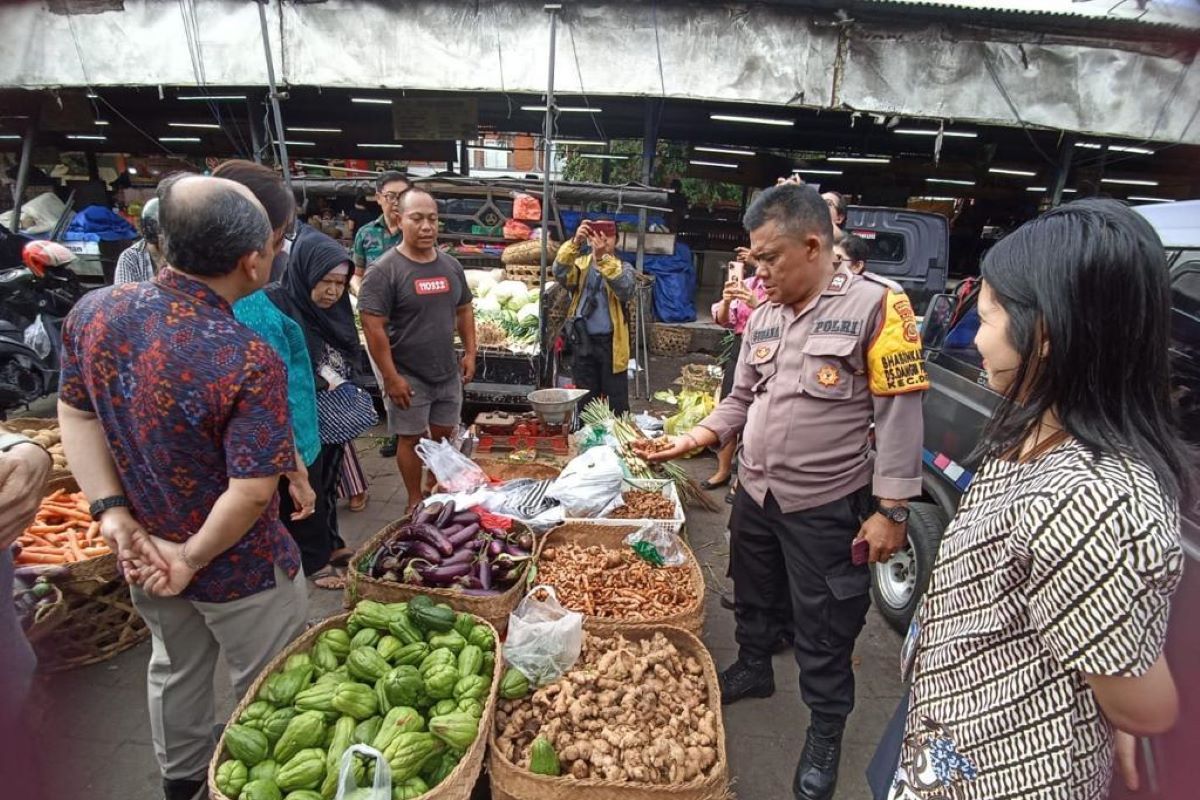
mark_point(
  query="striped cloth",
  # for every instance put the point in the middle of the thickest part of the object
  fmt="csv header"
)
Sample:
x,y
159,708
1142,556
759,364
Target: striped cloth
x,y
1052,569
352,481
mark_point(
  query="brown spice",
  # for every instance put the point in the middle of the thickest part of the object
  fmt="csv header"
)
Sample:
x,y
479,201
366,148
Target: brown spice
x,y
644,505
614,583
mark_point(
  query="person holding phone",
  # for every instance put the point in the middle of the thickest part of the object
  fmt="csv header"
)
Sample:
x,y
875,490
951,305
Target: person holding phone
x,y
597,330
739,298
827,355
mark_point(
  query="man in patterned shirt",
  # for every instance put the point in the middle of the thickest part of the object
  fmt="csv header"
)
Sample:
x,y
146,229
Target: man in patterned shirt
x,y
175,418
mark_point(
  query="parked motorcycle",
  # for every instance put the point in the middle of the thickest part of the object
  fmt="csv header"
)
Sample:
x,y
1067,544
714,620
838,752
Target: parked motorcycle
x,y
34,300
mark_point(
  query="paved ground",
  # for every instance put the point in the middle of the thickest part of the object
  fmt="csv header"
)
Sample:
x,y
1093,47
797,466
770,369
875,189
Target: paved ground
x,y
96,716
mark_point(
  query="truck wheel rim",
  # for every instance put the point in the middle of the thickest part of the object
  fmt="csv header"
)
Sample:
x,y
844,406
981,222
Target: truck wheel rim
x,y
896,580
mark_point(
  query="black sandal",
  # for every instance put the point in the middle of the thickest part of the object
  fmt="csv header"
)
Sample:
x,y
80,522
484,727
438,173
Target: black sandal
x,y
708,484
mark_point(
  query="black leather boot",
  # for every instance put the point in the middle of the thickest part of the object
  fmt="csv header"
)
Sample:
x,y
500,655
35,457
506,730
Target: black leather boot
x,y
817,773
746,678
181,789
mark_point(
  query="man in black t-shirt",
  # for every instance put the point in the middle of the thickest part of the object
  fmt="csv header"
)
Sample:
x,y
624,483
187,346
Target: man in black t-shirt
x,y
412,301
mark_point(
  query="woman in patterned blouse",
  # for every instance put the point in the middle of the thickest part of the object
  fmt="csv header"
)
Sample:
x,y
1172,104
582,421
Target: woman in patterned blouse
x,y
1039,643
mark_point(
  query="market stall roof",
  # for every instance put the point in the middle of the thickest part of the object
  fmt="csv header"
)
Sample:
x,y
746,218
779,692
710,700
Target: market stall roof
x,y
983,67
1113,15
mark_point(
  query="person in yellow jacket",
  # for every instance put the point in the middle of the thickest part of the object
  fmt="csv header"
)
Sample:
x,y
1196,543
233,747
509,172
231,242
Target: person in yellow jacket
x,y
597,331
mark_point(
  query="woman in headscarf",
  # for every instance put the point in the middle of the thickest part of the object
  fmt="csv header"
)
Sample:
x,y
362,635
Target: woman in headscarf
x,y
313,292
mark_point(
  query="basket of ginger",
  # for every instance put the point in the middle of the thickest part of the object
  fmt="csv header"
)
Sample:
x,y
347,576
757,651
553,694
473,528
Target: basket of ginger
x,y
100,619
638,716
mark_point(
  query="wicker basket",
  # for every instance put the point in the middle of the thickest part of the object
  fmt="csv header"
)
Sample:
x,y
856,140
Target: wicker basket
x,y
20,424
528,274
529,252
670,340
663,487
612,537
98,618
458,785
47,617
511,782
360,586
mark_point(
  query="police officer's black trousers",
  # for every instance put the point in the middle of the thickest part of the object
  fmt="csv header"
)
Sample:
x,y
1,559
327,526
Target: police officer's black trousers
x,y
795,569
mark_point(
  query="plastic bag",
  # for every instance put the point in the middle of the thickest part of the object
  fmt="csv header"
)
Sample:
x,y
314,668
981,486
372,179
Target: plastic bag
x,y
590,483
527,207
518,231
348,788
454,471
544,639
37,338
657,546
694,406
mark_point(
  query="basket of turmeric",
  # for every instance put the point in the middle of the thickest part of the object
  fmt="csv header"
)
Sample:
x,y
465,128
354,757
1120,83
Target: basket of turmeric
x,y
98,619
595,572
638,716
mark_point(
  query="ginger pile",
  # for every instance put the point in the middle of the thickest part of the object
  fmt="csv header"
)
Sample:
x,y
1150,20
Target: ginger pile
x,y
634,711
614,583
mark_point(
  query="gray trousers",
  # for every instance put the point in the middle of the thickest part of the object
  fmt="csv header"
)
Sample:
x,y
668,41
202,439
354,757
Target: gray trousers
x,y
187,636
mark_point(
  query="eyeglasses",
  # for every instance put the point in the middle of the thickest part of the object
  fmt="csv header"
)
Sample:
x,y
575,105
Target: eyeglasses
x,y
837,262
391,197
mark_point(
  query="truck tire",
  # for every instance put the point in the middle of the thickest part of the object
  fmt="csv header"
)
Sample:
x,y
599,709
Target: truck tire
x,y
897,584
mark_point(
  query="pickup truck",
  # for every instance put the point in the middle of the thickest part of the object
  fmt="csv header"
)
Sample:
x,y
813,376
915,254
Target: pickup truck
x,y
956,409
910,247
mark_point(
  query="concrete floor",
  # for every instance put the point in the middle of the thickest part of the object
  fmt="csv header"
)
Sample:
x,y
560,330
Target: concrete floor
x,y
96,716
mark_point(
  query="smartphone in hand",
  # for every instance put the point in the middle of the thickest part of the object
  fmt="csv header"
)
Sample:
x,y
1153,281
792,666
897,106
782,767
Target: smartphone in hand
x,y
860,552
737,271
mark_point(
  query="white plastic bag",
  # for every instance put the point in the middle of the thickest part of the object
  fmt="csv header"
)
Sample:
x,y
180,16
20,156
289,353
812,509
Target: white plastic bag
x,y
454,471
590,484
661,541
348,788
544,639
37,338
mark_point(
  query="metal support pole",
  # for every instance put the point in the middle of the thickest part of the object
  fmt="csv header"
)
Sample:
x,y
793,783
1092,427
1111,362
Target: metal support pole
x,y
1064,168
642,345
23,170
464,158
255,135
547,192
279,134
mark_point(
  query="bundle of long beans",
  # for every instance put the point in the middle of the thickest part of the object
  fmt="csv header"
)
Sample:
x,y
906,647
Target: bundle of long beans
x,y
627,432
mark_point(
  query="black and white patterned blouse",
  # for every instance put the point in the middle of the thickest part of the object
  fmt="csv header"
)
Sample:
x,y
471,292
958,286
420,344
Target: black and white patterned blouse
x,y
1052,568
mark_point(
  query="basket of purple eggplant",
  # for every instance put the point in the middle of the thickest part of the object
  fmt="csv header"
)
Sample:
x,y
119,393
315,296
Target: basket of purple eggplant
x,y
477,563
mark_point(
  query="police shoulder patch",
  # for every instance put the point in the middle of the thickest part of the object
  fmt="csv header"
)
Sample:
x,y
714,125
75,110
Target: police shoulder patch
x,y
895,361
890,284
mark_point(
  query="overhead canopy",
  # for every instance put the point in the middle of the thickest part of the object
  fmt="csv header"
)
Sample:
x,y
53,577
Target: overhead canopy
x,y
881,62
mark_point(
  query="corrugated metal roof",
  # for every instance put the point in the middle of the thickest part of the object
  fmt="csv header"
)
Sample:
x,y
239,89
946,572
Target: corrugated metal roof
x,y
1183,14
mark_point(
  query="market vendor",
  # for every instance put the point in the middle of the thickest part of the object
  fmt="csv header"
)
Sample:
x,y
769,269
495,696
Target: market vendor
x,y
828,354
597,331
412,302
371,241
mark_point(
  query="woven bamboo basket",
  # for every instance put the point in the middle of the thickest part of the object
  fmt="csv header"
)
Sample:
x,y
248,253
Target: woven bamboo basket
x,y
20,424
512,782
458,785
47,618
98,620
670,340
360,586
529,252
612,537
528,274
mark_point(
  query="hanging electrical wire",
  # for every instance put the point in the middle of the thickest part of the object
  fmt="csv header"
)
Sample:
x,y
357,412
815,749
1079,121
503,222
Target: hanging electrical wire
x,y
991,70
191,33
583,92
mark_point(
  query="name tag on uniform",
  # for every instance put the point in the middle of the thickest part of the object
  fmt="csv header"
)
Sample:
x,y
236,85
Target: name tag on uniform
x,y
764,335
840,327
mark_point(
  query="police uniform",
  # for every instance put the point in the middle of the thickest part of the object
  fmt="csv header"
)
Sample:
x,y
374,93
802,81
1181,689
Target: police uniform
x,y
807,388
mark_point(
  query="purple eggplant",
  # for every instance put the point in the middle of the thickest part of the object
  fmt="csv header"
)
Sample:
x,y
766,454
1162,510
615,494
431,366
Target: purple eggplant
x,y
412,572
425,551
452,529
515,552
523,540
485,574
509,561
465,518
427,513
429,533
445,513
459,557
444,574
403,533
463,536
468,582
495,547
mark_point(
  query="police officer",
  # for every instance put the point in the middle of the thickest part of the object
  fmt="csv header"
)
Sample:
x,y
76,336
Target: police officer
x,y
829,353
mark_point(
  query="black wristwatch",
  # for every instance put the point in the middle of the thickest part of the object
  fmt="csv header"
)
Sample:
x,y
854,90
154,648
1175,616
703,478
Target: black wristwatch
x,y
896,514
106,503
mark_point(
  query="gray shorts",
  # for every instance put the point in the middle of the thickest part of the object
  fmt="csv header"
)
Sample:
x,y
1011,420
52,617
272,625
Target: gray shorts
x,y
432,404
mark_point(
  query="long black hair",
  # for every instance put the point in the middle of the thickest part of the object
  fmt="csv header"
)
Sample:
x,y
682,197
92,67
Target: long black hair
x,y
1090,280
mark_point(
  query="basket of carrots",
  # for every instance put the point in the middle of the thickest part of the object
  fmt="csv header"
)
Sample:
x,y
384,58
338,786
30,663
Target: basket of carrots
x,y
98,619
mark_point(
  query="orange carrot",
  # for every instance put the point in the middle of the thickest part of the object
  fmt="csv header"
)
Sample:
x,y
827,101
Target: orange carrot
x,y
39,558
